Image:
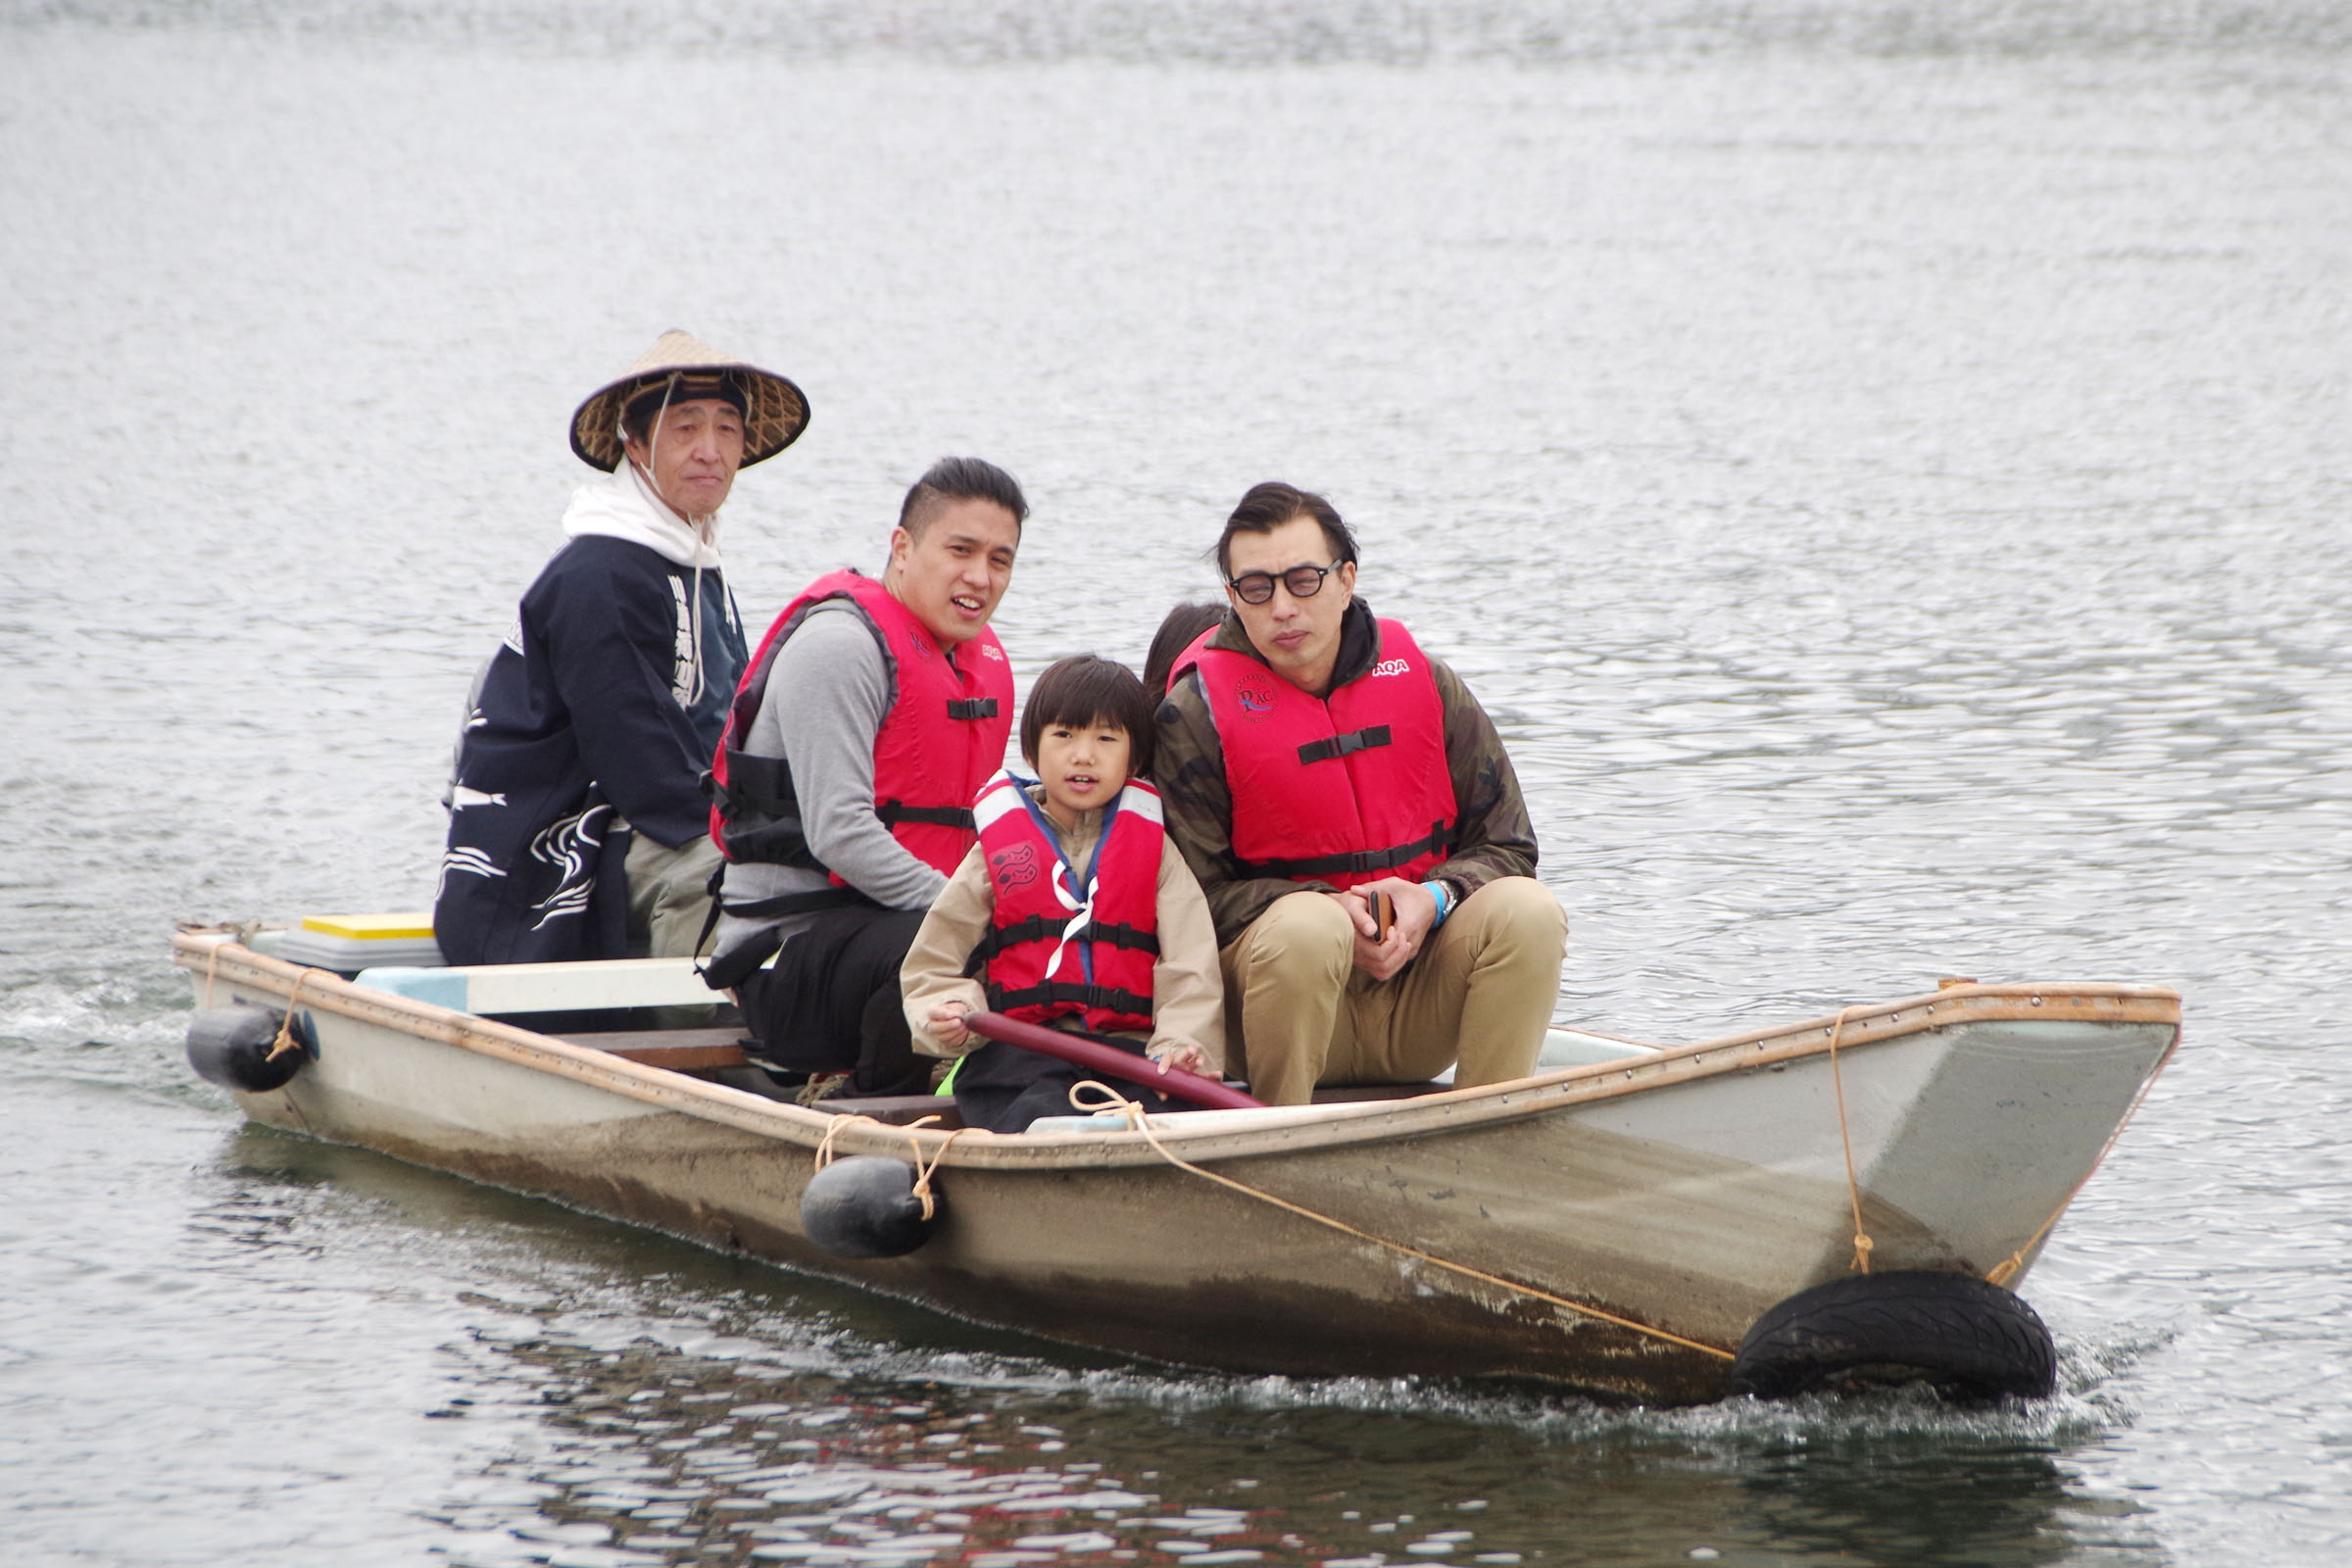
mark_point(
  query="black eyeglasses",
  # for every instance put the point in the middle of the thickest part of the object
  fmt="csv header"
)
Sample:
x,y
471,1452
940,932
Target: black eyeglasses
x,y
1257,587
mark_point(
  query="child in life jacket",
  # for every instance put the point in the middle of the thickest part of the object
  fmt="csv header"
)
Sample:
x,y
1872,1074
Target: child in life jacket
x,y
1074,911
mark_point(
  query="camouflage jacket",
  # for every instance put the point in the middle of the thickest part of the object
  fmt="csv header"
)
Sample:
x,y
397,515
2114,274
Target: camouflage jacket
x,y
1495,837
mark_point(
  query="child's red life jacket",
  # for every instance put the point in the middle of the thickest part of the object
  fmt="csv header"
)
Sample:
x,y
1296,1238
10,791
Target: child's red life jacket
x,y
942,739
1068,939
1343,789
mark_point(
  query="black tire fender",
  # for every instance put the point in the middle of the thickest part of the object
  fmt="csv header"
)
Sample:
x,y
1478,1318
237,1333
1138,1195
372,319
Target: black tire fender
x,y
866,1206
232,1047
1968,1336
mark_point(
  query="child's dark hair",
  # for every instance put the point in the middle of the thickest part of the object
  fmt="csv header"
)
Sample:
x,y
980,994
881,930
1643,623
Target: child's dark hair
x,y
1182,627
1088,689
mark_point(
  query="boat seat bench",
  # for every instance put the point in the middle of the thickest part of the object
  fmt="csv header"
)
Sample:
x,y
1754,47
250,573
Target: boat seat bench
x,y
678,1050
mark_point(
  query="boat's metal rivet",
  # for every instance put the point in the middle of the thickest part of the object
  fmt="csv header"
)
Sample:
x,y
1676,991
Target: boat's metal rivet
x,y
2037,1002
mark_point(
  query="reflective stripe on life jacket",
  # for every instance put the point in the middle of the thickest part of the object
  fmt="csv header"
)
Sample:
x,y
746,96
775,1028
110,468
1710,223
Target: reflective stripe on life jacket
x,y
941,740
1343,789
1067,939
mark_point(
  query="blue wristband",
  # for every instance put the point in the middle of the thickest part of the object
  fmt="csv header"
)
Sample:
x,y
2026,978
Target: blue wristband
x,y
1444,898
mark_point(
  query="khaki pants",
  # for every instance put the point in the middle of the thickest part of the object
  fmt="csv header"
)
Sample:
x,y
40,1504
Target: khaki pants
x,y
1477,996
669,894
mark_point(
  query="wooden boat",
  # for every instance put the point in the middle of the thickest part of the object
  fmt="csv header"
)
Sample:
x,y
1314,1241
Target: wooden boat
x,y
1617,1222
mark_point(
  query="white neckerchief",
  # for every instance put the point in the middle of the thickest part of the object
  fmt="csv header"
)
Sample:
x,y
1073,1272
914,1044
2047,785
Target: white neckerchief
x,y
1074,889
623,506
620,505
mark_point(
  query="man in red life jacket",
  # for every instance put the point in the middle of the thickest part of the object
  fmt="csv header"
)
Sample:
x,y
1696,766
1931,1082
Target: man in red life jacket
x,y
1312,756
868,720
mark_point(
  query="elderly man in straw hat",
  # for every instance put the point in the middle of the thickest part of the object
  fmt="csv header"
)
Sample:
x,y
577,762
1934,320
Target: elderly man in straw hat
x,y
577,820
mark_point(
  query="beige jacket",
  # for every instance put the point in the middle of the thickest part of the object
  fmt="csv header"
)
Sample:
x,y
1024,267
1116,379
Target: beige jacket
x,y
1188,990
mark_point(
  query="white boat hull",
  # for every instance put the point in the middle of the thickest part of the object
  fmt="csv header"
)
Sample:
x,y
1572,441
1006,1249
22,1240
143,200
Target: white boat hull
x,y
1685,1190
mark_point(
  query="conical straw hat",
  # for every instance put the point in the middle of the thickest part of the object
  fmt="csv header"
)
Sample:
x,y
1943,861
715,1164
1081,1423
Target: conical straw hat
x,y
774,410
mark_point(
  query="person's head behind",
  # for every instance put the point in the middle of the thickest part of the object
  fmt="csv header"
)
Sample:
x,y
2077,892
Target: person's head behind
x,y
1180,630
1086,730
1289,564
950,555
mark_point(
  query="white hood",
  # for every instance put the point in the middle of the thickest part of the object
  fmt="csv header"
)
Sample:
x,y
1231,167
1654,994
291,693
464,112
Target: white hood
x,y
620,505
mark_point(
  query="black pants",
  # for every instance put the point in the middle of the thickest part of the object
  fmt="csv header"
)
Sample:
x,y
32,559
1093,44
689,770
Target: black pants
x,y
1004,1088
831,1002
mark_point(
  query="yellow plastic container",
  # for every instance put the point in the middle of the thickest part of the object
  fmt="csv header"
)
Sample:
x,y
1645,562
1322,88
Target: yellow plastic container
x,y
350,943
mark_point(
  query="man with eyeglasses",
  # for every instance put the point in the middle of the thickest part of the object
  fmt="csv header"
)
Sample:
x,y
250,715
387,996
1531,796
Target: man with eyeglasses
x,y
1356,826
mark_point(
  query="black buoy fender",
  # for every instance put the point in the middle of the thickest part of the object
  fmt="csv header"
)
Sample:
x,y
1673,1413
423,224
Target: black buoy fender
x,y
1968,1336
233,1047
866,1206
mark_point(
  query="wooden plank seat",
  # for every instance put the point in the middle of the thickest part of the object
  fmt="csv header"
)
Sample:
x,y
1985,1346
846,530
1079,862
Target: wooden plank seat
x,y
678,1050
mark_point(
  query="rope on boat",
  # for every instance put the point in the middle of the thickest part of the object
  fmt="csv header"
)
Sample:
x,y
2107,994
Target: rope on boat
x,y
211,954
285,1040
2007,1268
1132,1112
1863,1245
826,1155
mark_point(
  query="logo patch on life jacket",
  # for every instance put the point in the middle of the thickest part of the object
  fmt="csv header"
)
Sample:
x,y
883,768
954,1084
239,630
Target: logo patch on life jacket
x,y
1016,866
1393,666
1256,700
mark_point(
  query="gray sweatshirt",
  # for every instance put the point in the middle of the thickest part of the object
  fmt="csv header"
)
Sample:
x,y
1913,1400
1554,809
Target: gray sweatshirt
x,y
827,694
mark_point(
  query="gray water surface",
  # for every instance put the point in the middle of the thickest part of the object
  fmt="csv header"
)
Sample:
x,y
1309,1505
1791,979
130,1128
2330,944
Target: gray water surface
x,y
1886,470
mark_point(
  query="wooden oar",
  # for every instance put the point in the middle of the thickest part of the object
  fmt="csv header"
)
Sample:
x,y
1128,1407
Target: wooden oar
x,y
1110,1062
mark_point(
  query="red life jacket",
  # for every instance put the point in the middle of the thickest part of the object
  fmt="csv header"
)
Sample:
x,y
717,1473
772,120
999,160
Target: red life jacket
x,y
942,739
1343,789
1070,939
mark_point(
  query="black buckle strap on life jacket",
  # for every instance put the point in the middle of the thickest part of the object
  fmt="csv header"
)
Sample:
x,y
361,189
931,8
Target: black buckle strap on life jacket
x,y
893,812
760,812
1440,839
1338,746
718,877
1054,993
1037,928
971,708
754,783
1041,928
1123,936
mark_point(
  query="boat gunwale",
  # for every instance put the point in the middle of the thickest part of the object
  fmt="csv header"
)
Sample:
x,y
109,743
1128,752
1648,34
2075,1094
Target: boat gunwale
x,y
222,957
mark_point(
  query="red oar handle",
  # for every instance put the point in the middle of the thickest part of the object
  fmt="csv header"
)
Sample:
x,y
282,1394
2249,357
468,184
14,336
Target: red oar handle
x,y
1109,1060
